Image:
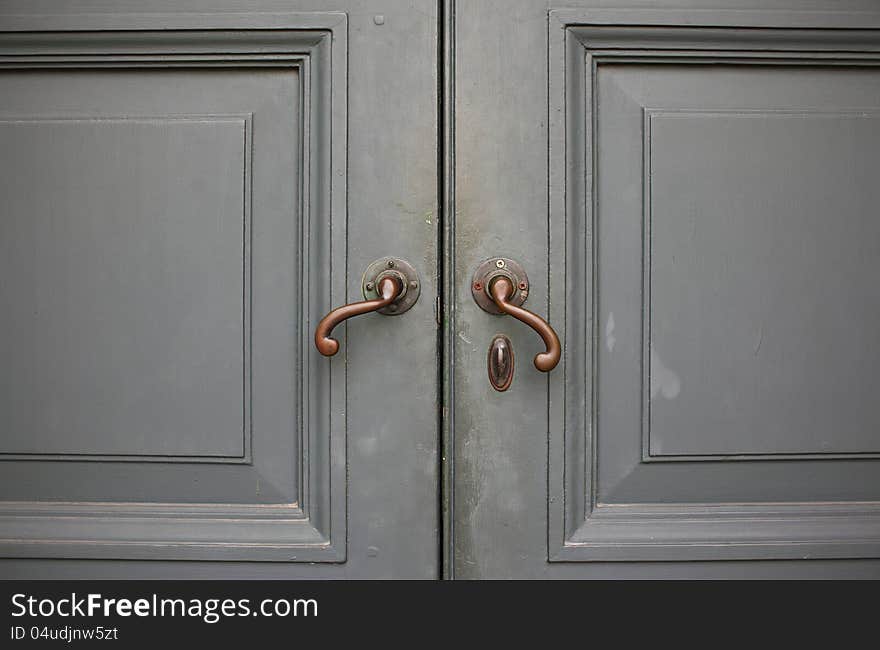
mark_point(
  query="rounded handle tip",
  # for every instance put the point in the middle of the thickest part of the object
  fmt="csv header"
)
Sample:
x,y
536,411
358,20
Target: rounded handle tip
x,y
546,361
327,346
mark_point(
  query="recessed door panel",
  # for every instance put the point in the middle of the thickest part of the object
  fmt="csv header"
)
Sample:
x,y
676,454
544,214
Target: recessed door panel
x,y
154,248
757,218
124,309
735,235
790,256
731,208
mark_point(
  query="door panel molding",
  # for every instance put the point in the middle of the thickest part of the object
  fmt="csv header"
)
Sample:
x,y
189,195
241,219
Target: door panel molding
x,y
231,445
583,525
311,527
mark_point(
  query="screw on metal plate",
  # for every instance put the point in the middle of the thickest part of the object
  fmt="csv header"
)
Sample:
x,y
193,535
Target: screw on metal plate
x,y
499,264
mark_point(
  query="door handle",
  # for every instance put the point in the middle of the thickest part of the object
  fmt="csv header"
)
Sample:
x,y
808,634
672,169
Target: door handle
x,y
390,287
500,286
501,289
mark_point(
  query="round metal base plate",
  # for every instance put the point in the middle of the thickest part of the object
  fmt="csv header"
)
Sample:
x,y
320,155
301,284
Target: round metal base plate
x,y
491,269
399,268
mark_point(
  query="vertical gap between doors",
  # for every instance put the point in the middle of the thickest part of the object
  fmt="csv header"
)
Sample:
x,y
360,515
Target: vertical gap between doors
x,y
446,270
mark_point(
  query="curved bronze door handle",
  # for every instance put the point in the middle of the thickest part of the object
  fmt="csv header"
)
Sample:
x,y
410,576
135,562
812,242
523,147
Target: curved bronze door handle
x,y
500,286
391,287
501,290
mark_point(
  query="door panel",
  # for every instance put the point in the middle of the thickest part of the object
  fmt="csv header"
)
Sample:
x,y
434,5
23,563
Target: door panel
x,y
187,194
702,236
62,249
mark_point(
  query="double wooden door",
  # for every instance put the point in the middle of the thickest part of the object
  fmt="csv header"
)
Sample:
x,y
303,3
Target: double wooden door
x,y
684,195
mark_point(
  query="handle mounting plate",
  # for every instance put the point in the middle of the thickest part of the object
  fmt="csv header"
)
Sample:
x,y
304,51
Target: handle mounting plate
x,y
395,267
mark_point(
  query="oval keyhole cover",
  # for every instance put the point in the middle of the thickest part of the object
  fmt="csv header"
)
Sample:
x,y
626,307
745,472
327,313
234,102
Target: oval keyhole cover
x,y
500,363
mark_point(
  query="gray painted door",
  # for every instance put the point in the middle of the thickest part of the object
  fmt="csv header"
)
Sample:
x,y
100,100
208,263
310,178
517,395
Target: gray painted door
x,y
186,192
692,189
187,189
